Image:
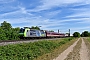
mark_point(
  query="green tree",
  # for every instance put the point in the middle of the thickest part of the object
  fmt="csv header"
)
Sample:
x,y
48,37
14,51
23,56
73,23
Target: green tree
x,y
51,31
76,34
85,34
89,34
6,25
36,27
15,34
17,29
7,29
2,34
7,32
82,35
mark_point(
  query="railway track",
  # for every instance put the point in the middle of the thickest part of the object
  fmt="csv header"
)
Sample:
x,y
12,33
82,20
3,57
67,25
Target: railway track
x,y
2,43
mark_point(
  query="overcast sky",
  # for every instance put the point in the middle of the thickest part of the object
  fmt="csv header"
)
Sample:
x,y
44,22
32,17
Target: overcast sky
x,y
50,14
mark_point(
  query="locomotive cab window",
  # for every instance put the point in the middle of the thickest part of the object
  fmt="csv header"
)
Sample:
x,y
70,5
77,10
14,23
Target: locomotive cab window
x,y
27,30
42,32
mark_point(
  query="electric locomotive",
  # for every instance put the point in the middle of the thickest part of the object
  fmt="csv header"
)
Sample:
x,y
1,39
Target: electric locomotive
x,y
33,33
27,32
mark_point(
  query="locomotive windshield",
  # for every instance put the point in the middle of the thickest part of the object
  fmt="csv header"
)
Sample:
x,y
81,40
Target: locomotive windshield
x,y
42,32
22,30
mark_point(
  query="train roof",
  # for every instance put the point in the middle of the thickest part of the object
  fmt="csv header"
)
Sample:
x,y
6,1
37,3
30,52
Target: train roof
x,y
54,32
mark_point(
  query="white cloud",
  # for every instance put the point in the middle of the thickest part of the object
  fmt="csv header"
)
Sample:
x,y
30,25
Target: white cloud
x,y
20,12
79,29
36,21
85,20
6,1
80,12
48,4
53,13
53,3
23,10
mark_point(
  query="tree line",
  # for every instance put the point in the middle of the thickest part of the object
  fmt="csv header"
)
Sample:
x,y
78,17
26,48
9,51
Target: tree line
x,y
83,34
7,32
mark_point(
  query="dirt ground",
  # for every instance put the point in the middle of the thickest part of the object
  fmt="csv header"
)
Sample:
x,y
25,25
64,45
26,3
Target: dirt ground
x,y
78,51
